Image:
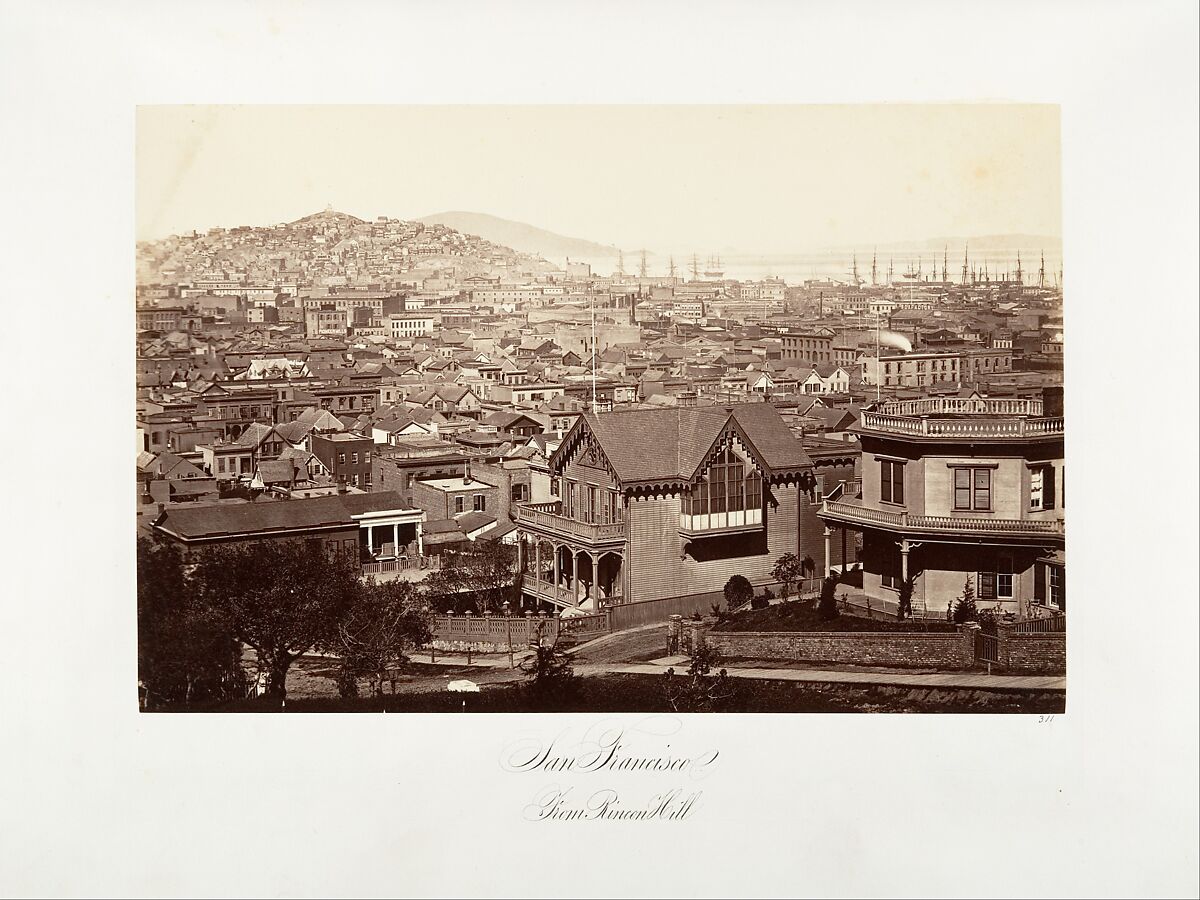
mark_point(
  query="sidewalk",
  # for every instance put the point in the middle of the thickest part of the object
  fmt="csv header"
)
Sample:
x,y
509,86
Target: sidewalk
x,y
948,680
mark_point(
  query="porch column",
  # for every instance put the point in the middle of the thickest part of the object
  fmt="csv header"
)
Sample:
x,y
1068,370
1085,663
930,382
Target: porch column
x,y
904,559
371,539
595,579
557,567
420,542
828,559
575,576
396,538
537,560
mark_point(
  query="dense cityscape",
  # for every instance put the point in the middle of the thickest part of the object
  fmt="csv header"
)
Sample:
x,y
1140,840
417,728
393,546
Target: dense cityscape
x,y
631,472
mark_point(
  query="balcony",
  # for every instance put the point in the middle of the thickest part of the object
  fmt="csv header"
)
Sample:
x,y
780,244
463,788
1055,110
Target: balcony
x,y
545,518
855,514
963,418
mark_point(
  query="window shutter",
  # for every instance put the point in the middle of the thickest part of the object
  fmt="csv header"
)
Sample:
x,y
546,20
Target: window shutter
x,y
1048,487
1039,582
987,585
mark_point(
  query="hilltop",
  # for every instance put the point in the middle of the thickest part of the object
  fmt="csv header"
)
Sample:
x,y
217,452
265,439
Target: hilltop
x,y
328,248
522,236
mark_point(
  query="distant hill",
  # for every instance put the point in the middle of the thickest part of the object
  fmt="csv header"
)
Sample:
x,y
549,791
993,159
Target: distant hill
x,y
520,236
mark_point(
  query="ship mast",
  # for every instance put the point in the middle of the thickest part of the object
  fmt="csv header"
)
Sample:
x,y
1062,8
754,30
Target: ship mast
x,y
621,263
672,266
964,271
873,268
1042,271
642,266
695,268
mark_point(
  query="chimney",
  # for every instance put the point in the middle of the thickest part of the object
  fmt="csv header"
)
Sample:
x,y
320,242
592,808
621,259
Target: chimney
x,y
467,472
341,484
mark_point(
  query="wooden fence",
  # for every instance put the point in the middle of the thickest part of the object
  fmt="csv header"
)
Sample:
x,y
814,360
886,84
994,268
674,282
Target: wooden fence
x,y
515,631
1045,625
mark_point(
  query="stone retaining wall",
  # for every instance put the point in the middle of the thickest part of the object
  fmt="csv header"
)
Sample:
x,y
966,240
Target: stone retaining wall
x,y
918,649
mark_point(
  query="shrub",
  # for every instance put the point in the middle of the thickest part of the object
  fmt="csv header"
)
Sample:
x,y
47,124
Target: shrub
x,y
788,570
964,605
551,682
904,610
738,591
699,691
760,602
827,606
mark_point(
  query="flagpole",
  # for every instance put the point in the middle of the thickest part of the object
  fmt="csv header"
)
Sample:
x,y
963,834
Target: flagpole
x,y
878,360
594,413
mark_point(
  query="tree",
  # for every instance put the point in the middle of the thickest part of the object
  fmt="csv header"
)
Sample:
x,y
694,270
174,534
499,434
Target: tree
x,y
184,655
827,606
964,604
482,575
699,691
382,623
788,570
904,608
282,598
550,677
738,591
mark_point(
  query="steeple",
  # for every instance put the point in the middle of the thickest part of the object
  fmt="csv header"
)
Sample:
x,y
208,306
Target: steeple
x,y
1020,274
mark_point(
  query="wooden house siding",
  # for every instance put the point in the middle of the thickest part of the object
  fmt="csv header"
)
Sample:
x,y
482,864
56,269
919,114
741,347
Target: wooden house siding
x,y
655,548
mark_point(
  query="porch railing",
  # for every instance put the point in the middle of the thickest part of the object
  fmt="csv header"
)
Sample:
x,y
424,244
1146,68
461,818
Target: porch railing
x,y
401,564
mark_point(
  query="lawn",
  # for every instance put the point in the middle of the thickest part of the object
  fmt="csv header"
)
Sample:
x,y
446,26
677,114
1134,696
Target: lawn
x,y
803,616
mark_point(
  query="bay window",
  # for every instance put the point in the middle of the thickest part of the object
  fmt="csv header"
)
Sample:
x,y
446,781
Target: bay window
x,y
728,495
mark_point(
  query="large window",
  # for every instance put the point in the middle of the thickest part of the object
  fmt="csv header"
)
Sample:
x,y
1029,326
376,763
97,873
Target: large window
x,y
891,481
1041,487
997,585
973,489
728,495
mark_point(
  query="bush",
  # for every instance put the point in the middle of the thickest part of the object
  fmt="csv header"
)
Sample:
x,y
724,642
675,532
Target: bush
x,y
738,591
827,606
964,605
760,602
904,609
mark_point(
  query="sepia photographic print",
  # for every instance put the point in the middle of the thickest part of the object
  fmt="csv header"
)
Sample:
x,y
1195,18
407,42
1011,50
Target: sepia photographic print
x,y
401,452
600,450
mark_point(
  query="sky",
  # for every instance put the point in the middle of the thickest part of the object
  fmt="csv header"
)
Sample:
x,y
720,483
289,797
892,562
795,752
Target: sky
x,y
750,179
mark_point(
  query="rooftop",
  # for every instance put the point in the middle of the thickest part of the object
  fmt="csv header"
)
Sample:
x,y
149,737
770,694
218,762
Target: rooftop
x,y
958,418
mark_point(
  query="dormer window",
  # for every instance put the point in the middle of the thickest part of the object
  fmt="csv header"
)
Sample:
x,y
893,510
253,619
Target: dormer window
x,y
728,495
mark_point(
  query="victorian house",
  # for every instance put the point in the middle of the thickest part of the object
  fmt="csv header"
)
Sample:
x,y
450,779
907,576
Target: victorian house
x,y
958,488
661,503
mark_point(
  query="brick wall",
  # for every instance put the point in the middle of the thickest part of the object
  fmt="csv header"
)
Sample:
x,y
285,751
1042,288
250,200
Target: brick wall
x,y
1033,653
943,651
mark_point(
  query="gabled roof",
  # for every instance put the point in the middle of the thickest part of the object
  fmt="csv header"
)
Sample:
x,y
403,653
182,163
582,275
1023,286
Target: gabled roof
x,y
669,445
225,520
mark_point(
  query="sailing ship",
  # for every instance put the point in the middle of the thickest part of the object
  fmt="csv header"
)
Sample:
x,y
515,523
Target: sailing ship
x,y
714,269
